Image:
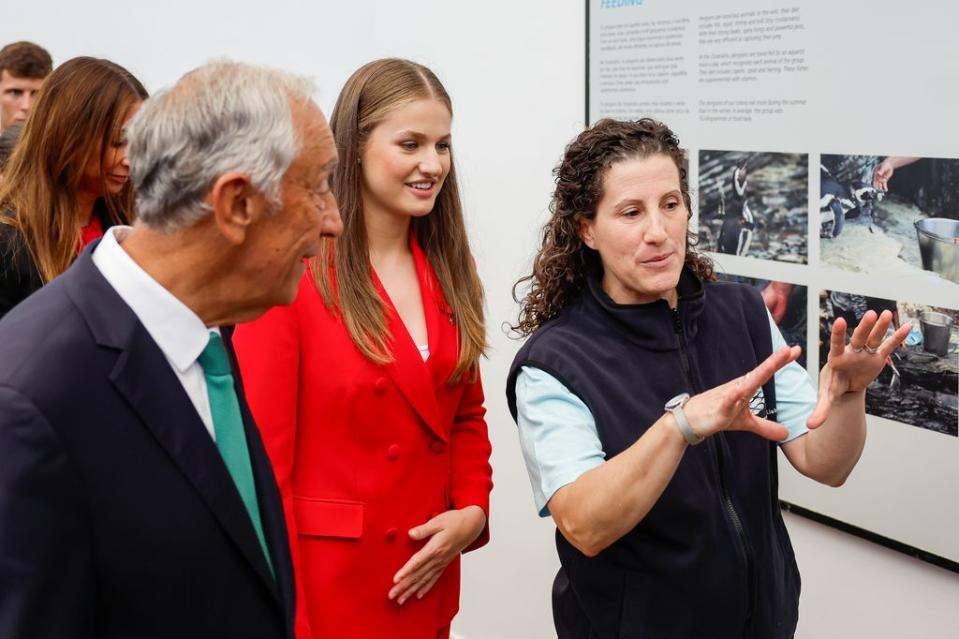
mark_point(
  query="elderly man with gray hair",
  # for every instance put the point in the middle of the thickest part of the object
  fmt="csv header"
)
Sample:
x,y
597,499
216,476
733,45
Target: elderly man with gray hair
x,y
136,499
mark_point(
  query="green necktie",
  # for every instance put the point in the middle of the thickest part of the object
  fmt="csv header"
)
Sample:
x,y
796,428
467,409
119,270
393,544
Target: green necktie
x,y
228,425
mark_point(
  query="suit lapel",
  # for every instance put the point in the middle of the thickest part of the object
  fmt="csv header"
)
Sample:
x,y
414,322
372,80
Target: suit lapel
x,y
408,371
143,376
440,326
268,494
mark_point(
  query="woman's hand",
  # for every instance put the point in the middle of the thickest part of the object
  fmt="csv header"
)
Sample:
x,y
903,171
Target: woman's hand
x,y
449,533
726,407
851,367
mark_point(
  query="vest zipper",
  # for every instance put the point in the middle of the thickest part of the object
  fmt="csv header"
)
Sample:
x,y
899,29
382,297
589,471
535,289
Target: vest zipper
x,y
721,464
684,355
741,532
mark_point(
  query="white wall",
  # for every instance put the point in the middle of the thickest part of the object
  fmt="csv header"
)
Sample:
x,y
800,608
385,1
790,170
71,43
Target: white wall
x,y
855,589
516,74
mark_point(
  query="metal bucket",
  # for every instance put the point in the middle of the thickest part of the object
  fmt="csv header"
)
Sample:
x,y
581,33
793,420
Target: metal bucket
x,y
939,246
936,328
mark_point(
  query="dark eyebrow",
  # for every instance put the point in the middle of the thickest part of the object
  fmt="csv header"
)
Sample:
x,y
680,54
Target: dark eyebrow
x,y
626,201
635,202
419,136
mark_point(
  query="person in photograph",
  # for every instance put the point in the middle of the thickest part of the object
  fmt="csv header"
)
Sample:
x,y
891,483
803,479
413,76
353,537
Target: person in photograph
x,y
23,67
8,140
136,499
852,185
887,167
67,180
859,171
651,401
366,389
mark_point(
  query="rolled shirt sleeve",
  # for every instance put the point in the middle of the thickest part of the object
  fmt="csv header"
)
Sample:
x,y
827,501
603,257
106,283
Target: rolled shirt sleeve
x,y
557,434
795,394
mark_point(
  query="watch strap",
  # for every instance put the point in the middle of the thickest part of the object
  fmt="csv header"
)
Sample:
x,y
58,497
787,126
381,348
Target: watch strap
x,y
687,431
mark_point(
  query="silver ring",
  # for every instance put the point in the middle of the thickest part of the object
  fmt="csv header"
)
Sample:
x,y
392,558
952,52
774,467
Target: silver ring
x,y
870,349
856,350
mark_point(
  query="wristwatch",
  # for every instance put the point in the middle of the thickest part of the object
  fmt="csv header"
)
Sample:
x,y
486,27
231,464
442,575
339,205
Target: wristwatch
x,y
675,406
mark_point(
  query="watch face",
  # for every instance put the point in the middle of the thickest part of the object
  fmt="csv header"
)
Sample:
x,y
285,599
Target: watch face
x,y
677,401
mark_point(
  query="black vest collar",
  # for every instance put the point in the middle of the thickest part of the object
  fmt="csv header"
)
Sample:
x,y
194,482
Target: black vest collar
x,y
652,325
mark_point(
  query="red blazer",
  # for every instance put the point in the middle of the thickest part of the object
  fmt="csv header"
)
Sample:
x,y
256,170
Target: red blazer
x,y
362,453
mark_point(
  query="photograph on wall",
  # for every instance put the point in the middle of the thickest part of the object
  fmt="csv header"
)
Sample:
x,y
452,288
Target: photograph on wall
x,y
754,204
919,384
890,215
786,304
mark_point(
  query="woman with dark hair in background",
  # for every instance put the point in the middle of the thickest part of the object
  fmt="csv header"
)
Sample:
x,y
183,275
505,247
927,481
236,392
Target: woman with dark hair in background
x,y
68,177
8,140
366,389
636,355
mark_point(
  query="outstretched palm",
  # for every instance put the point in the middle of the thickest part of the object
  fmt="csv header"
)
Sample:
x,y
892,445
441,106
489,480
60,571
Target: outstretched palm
x,y
726,407
851,367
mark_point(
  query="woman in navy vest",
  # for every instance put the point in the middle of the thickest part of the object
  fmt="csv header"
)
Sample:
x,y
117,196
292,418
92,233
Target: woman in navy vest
x,y
651,401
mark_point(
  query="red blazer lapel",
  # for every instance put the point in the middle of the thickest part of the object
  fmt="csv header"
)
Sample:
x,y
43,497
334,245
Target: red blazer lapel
x,y
440,326
409,372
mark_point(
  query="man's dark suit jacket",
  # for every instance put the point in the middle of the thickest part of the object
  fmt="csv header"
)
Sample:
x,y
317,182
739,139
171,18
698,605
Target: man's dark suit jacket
x,y
118,517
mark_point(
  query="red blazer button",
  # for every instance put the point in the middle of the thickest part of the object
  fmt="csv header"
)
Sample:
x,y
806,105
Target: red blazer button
x,y
393,451
390,534
438,447
380,385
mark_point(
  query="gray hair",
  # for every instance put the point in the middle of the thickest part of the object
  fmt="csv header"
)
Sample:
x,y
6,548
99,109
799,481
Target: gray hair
x,y
223,116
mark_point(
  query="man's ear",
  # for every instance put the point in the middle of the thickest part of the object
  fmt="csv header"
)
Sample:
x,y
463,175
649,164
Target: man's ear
x,y
585,230
236,205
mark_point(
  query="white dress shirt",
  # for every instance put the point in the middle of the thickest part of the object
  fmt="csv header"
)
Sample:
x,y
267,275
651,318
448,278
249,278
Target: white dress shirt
x,y
178,331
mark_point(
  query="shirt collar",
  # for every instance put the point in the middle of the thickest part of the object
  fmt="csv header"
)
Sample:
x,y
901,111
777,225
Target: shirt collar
x,y
652,325
177,330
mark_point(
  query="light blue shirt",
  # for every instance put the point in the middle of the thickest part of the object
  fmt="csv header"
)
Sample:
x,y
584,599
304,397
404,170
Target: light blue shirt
x,y
558,435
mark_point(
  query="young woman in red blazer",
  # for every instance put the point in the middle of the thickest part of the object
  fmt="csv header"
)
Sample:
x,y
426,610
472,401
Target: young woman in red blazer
x,y
366,389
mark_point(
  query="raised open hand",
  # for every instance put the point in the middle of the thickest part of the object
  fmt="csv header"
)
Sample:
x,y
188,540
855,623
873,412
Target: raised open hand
x,y
726,407
851,367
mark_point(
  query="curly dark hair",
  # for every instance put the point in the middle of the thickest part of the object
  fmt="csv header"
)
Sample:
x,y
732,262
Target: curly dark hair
x,y
560,266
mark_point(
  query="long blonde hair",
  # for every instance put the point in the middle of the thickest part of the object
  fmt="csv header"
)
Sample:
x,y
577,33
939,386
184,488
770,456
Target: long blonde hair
x,y
78,113
368,96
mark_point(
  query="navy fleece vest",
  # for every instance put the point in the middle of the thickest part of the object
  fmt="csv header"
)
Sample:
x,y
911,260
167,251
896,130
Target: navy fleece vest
x,y
712,558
